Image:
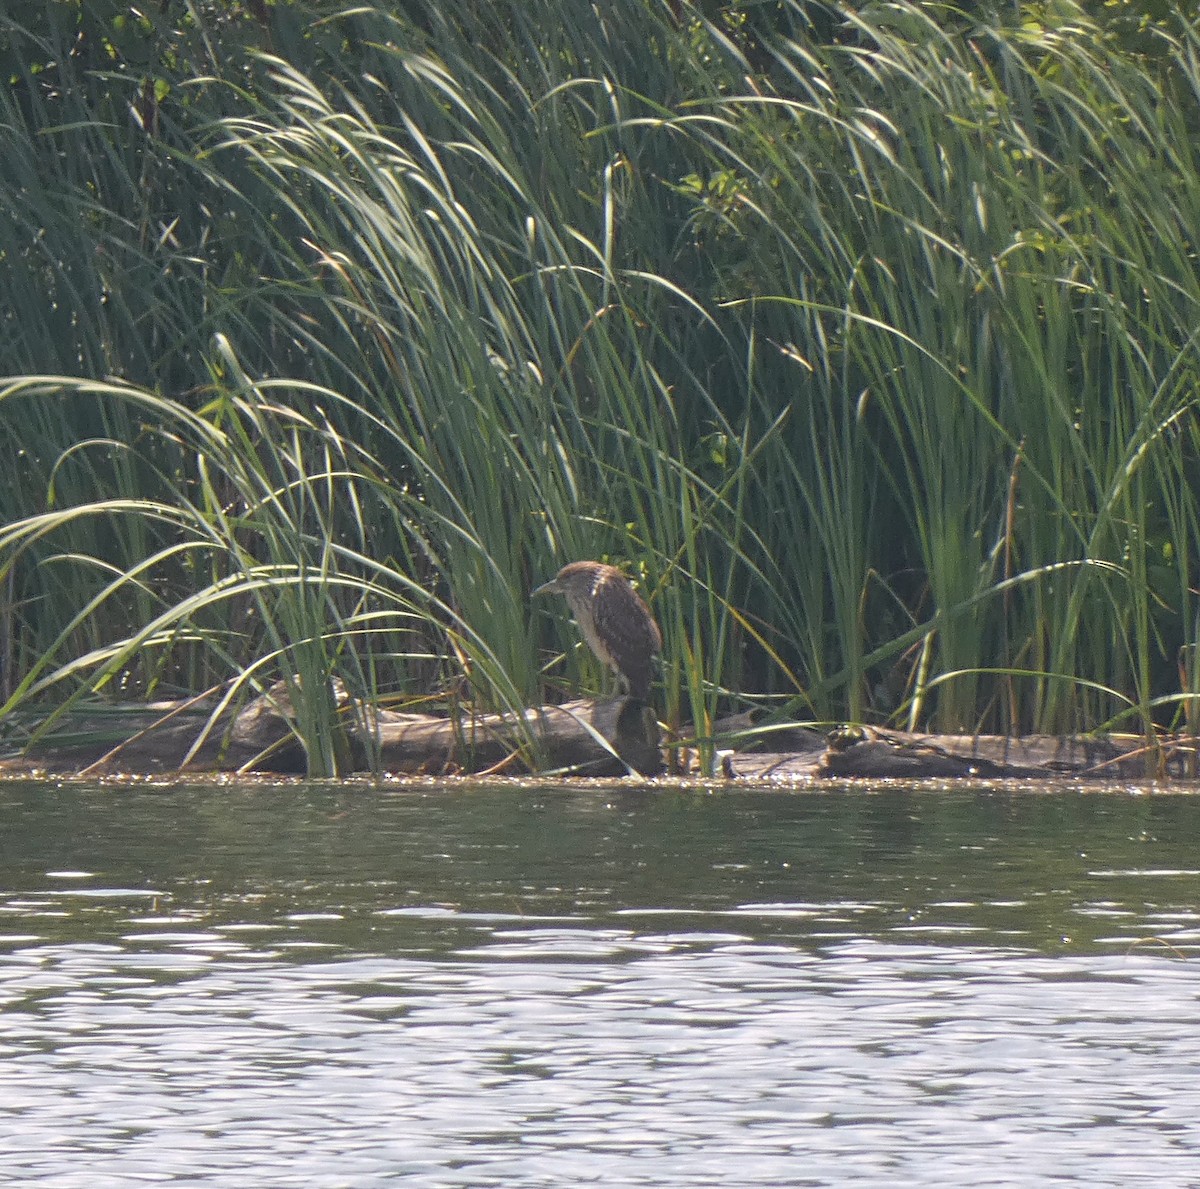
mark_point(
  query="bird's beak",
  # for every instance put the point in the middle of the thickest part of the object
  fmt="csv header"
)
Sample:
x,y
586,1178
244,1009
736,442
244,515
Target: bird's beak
x,y
550,587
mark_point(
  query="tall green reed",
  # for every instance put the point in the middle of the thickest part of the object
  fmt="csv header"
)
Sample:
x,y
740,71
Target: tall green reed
x,y
873,358
919,200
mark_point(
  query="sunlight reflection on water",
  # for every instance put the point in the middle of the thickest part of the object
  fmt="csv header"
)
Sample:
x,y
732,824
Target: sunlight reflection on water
x,y
448,994
575,1056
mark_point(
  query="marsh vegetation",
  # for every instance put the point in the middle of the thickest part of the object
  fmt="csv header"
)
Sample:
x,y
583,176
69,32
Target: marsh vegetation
x,y
864,337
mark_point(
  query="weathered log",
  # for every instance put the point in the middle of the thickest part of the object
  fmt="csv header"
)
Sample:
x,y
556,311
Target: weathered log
x,y
586,738
135,738
752,728
594,738
867,752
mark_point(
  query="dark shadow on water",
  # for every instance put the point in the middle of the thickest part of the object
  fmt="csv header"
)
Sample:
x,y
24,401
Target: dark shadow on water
x,y
1039,871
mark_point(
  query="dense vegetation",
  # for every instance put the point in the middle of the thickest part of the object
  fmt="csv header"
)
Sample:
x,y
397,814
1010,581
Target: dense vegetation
x,y
865,336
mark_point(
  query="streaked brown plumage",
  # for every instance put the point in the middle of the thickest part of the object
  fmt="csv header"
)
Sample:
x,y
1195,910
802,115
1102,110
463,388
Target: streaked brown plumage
x,y
615,622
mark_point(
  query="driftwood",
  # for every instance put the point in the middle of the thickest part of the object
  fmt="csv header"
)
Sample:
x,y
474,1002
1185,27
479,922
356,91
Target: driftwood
x,y
603,738
868,753
585,738
590,738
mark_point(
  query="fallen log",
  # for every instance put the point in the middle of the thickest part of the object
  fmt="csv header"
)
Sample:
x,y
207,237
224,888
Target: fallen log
x,y
586,737
591,738
859,752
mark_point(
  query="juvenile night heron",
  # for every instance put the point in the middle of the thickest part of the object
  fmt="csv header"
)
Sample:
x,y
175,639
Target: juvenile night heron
x,y
615,622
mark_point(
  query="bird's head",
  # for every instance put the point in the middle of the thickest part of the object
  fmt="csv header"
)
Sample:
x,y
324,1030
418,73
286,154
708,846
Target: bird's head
x,y
575,578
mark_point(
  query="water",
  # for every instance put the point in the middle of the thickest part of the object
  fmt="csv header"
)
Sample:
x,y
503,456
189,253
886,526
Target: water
x,y
304,986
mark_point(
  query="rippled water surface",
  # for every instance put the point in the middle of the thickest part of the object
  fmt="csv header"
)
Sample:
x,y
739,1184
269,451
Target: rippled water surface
x,y
309,986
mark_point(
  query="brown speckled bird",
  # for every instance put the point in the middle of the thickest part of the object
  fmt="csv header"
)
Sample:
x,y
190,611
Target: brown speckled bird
x,y
615,622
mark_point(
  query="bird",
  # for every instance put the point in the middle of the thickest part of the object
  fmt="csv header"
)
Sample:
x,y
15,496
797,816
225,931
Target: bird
x,y
614,620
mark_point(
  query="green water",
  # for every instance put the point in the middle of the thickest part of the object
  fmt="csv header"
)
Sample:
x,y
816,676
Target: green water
x,y
355,986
